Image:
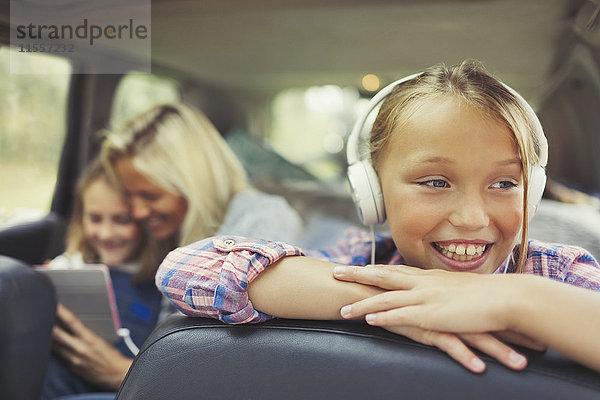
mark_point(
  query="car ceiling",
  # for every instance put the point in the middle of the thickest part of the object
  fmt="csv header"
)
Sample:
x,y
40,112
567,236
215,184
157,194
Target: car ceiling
x,y
268,45
264,46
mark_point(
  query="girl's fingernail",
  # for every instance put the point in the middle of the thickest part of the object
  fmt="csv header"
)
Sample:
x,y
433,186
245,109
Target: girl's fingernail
x,y
370,318
517,359
477,365
339,270
345,311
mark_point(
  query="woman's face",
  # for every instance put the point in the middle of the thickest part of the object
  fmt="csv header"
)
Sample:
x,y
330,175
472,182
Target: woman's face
x,y
107,224
452,188
161,211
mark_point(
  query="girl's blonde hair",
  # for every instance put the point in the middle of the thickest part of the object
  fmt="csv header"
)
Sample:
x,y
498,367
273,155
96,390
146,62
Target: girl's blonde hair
x,y
177,148
76,241
471,83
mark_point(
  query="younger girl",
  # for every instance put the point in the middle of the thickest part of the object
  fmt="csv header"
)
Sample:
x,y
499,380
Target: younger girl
x,y
101,230
455,153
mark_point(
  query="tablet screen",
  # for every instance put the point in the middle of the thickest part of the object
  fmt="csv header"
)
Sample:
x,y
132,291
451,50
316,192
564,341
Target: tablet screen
x,y
87,291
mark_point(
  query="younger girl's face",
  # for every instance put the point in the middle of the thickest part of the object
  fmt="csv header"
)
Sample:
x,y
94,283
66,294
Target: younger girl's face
x,y
107,224
452,188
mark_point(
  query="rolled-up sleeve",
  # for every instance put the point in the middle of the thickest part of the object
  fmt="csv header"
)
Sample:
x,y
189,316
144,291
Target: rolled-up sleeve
x,y
569,264
210,278
581,269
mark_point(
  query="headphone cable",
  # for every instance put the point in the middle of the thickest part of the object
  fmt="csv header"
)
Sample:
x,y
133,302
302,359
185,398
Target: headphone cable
x,y
372,245
126,335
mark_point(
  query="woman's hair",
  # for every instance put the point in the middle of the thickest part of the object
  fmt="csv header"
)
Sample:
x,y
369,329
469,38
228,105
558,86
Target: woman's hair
x,y
177,148
471,83
75,238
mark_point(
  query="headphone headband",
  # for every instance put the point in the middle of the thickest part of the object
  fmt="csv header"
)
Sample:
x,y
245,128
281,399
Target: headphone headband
x,y
354,137
537,126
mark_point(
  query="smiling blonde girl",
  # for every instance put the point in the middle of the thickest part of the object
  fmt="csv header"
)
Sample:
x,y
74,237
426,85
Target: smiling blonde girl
x,y
454,151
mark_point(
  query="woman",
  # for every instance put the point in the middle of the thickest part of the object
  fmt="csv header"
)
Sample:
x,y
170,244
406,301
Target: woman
x,y
184,181
184,184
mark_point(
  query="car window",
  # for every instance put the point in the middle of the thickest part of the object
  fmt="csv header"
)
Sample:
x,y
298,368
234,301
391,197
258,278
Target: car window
x,y
309,127
138,92
32,130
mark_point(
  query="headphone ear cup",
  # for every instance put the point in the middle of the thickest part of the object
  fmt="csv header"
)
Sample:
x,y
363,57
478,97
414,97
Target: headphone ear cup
x,y
537,183
366,193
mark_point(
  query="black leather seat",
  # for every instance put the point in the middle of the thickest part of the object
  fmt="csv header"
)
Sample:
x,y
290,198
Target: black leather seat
x,y
36,241
27,311
194,358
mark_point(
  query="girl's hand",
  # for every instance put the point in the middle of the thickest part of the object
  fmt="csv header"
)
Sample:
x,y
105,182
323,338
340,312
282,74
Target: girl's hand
x,y
445,309
520,340
456,346
458,302
87,354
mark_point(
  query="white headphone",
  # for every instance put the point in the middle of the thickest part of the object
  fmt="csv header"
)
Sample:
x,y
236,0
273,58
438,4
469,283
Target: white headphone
x,y
364,182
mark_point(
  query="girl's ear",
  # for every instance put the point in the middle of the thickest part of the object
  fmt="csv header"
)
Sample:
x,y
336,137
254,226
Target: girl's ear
x,y
364,183
537,174
366,193
537,183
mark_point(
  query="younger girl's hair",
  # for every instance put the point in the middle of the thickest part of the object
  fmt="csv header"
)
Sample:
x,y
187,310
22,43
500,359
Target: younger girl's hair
x,y
177,148
471,83
75,238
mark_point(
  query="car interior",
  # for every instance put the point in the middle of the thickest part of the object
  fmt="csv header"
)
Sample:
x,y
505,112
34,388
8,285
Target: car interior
x,y
282,82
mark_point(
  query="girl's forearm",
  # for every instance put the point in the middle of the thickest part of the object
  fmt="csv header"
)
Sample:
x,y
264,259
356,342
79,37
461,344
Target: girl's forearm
x,y
304,288
562,316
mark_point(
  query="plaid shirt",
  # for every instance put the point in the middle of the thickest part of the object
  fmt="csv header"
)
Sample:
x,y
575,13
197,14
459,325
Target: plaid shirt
x,y
210,278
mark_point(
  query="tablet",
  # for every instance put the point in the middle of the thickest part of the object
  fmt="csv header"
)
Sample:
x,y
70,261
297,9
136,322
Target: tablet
x,y
87,291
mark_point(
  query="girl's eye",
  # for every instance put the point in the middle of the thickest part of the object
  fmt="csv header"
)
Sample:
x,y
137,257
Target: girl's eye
x,y
94,218
504,185
435,183
122,220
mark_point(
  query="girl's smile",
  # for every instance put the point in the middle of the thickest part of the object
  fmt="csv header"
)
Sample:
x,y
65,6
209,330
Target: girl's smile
x,y
107,224
452,187
463,255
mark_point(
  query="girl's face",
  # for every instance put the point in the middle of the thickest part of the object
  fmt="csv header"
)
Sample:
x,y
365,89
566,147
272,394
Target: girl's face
x,y
452,188
107,224
162,211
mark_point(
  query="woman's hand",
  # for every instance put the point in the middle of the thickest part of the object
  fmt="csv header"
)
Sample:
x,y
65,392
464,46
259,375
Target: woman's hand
x,y
87,354
445,309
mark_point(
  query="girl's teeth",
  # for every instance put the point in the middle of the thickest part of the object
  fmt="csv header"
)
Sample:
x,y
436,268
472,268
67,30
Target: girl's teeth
x,y
470,250
462,252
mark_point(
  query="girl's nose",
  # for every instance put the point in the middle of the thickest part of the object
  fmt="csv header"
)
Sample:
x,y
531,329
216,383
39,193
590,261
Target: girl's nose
x,y
469,212
105,231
